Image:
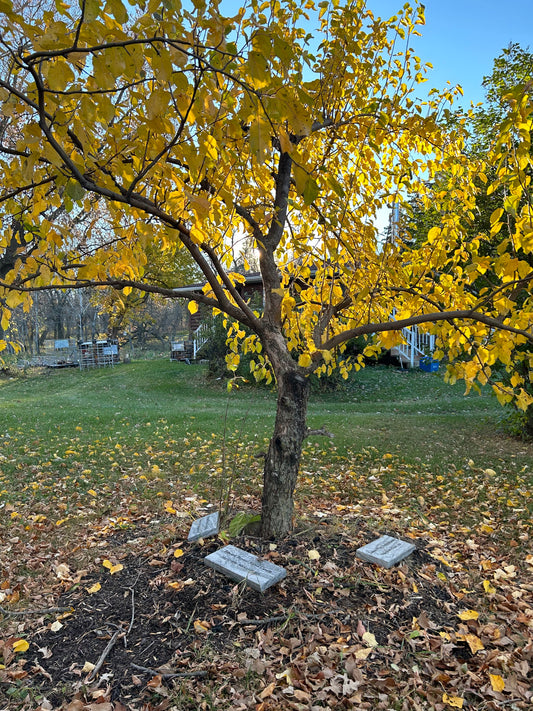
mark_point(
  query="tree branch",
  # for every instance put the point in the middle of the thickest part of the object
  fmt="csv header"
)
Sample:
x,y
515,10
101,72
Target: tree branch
x,y
468,315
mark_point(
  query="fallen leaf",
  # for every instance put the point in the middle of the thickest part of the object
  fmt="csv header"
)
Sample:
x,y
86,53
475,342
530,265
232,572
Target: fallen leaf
x,y
56,626
468,615
497,683
488,587
474,642
455,701
363,653
94,588
268,690
178,553
75,705
201,626
20,645
313,555
302,695
87,667
285,675
369,639
63,571
112,568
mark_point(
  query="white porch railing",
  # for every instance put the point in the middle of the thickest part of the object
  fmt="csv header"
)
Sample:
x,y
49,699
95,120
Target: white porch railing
x,y
200,337
416,346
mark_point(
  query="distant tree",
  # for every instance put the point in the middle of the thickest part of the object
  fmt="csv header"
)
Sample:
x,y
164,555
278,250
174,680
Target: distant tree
x,y
189,127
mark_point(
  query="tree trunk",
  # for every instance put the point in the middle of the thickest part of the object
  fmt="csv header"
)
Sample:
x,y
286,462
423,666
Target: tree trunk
x,y
283,459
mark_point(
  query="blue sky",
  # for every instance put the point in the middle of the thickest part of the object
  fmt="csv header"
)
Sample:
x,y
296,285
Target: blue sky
x,y
461,38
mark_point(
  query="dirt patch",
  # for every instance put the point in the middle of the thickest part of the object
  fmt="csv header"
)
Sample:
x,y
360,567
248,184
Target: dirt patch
x,y
177,615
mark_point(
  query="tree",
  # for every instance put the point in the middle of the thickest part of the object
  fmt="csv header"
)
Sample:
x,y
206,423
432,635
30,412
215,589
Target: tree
x,y
497,209
194,128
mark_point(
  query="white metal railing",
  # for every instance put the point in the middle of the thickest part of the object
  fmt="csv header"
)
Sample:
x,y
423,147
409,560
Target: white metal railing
x,y
416,346
200,337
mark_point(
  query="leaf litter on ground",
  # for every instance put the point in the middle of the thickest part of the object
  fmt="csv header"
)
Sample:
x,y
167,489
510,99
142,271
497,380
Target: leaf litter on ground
x,y
336,633
450,627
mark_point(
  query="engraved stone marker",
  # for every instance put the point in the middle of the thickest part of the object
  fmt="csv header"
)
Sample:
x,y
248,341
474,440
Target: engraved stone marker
x,y
241,565
385,551
205,526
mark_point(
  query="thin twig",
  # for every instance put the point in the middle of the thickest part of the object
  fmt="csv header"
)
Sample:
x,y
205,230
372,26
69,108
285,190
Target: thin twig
x,y
47,611
132,611
264,621
103,656
132,590
176,675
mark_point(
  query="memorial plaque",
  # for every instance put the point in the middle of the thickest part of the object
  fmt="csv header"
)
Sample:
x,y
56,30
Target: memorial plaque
x,y
385,551
204,527
241,565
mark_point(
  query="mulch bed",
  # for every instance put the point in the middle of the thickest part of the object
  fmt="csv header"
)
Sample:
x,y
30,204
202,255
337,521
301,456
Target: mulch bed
x,y
170,621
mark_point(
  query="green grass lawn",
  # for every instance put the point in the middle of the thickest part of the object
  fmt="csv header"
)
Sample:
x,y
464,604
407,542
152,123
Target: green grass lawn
x,y
110,466
85,444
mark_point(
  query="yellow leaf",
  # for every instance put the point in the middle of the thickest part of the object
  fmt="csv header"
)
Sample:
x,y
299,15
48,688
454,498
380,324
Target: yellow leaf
x,y
313,555
112,568
94,588
304,360
369,639
474,642
489,588
92,492
363,653
201,627
468,615
497,683
178,553
20,645
176,585
259,138
285,675
169,508
455,701
180,584
193,307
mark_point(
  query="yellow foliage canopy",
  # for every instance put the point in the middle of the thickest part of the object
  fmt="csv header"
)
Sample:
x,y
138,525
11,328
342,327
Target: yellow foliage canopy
x,y
183,128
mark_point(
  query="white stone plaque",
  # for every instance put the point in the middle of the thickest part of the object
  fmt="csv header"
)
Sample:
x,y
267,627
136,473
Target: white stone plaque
x,y
204,527
241,565
385,551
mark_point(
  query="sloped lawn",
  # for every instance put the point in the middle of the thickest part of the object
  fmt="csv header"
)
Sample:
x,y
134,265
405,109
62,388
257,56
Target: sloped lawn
x,y
102,472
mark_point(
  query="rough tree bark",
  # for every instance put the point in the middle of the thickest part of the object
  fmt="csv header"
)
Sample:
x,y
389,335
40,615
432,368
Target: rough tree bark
x,y
282,461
